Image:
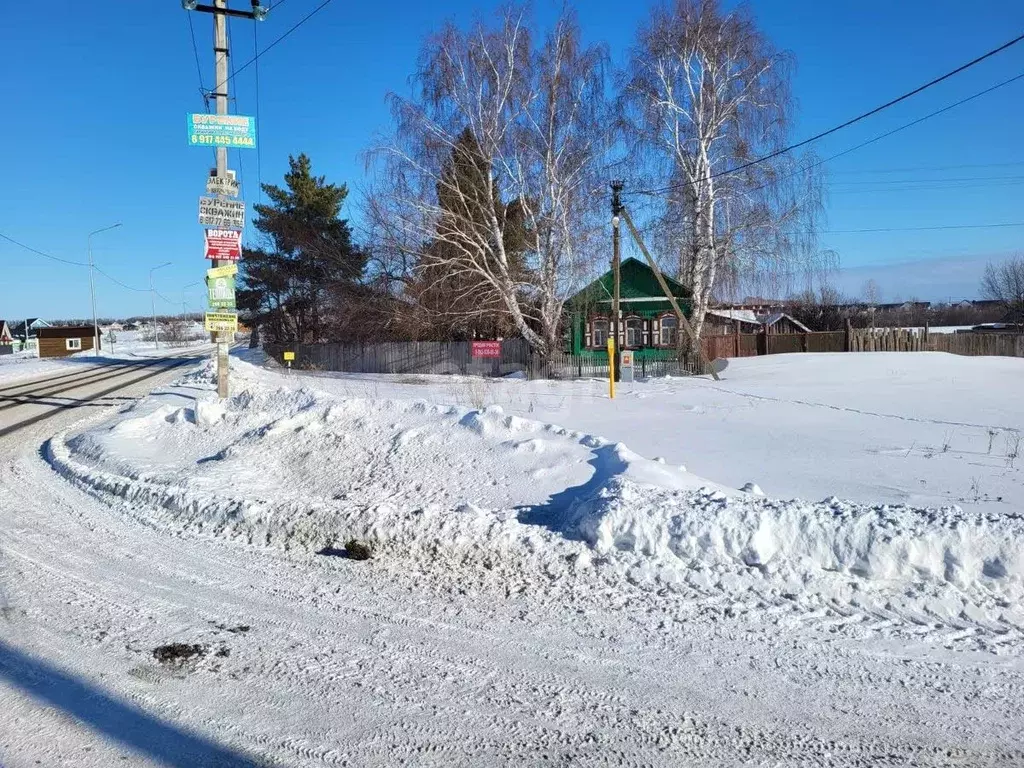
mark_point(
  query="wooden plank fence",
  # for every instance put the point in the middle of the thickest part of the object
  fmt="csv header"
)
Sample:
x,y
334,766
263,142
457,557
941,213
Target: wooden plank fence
x,y
917,340
426,357
431,357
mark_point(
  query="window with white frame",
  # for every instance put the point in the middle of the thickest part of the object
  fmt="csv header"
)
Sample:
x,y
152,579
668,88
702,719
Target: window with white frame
x,y
73,345
600,333
668,330
634,332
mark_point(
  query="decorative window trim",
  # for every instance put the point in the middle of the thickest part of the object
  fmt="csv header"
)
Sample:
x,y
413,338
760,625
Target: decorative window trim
x,y
661,339
639,340
592,332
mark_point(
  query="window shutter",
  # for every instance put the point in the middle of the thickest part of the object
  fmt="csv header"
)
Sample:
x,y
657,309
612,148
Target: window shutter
x,y
645,325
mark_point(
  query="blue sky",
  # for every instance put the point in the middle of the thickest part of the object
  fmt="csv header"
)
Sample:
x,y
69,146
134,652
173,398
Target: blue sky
x,y
95,102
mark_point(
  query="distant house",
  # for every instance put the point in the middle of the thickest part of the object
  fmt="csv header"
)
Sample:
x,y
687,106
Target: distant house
x,y
62,341
719,322
648,323
6,340
27,329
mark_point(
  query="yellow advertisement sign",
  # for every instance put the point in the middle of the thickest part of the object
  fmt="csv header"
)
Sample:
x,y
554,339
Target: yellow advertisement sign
x,y
229,271
224,322
289,356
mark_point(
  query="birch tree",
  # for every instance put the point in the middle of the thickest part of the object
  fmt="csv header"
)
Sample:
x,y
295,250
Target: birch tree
x,y
705,95
519,233
1005,283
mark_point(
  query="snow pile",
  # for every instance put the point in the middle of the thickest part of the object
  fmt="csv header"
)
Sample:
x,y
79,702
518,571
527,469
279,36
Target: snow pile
x,y
829,549
444,486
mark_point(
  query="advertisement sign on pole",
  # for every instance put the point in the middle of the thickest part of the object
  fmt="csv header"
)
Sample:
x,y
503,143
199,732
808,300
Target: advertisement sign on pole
x,y
490,349
221,185
224,244
221,214
231,131
221,322
228,270
221,292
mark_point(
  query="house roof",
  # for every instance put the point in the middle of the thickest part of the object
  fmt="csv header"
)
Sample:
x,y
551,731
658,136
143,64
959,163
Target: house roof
x,y
743,315
34,323
773,318
637,282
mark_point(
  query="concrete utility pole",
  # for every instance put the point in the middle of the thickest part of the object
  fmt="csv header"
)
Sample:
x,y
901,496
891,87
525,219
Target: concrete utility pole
x,y
220,11
152,299
92,293
220,55
616,269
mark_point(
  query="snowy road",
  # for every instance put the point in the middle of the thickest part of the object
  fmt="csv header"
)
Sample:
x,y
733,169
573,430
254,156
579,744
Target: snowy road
x,y
325,661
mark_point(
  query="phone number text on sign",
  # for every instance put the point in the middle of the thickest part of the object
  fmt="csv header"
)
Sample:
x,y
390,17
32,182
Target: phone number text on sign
x,y
221,214
234,131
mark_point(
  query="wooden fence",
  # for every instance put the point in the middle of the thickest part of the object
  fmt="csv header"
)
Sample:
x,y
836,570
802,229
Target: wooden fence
x,y
918,340
429,357
407,357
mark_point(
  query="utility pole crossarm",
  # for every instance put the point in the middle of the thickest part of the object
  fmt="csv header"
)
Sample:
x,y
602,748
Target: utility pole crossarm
x,y
669,295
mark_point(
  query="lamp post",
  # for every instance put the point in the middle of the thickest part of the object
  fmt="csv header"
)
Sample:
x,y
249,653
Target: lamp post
x,y
152,299
183,291
92,291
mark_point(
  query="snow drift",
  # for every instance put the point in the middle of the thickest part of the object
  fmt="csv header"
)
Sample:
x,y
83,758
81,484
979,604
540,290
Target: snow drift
x,y
446,485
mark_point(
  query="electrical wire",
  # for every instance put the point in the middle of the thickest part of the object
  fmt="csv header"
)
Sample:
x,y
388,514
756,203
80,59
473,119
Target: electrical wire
x,y
919,229
854,120
199,69
43,254
875,182
118,282
294,27
926,168
259,144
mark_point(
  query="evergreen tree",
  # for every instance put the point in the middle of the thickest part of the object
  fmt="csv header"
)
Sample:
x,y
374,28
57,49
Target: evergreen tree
x,y
294,286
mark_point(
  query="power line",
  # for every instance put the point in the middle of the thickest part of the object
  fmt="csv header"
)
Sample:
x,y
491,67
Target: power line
x,y
259,144
255,58
928,168
857,119
199,69
919,229
878,182
43,254
123,285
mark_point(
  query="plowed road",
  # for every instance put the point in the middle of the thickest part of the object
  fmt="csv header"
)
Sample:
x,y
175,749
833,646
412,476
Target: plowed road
x,y
39,399
319,661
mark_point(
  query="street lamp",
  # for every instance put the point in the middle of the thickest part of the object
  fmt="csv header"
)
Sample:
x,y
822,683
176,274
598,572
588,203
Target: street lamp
x,y
92,291
152,299
183,291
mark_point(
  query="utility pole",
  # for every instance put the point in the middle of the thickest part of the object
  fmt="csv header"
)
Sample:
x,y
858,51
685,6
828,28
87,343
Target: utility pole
x,y
152,299
220,11
616,269
92,292
220,57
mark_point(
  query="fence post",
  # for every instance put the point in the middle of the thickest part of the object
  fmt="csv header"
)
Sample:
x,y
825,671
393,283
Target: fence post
x,y
849,335
736,337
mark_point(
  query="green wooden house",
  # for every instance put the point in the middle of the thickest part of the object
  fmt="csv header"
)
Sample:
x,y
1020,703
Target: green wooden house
x,y
648,324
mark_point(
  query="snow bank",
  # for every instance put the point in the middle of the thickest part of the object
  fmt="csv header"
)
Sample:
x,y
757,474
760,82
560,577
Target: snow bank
x,y
794,548
467,489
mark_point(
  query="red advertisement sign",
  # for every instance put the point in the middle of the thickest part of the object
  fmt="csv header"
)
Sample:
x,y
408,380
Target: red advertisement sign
x,y
223,244
486,349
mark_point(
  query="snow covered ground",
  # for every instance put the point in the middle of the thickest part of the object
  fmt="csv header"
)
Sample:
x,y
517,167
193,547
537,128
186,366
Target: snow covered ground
x,y
924,429
129,345
663,615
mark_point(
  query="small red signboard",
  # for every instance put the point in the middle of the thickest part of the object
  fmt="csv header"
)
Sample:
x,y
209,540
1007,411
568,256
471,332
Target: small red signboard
x,y
223,244
486,349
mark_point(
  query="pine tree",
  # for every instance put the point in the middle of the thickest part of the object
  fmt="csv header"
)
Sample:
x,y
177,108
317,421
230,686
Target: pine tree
x,y
293,285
